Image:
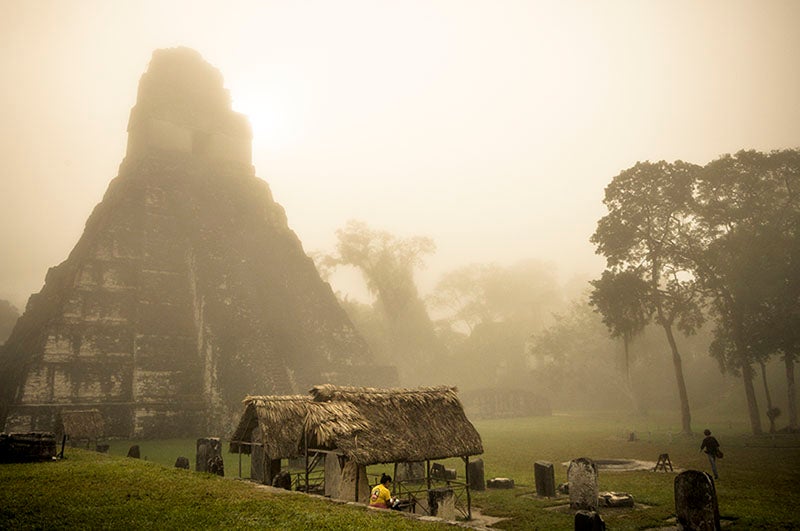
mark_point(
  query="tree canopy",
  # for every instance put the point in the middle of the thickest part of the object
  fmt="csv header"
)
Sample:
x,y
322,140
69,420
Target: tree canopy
x,y
725,234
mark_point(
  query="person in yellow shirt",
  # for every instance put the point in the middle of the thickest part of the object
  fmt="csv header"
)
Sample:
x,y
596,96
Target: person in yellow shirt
x,y
381,496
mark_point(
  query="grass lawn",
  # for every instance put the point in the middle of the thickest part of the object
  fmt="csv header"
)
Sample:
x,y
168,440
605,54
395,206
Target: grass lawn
x,y
758,488
97,491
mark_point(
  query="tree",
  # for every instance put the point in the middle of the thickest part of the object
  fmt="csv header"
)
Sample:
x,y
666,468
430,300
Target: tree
x,y
570,360
482,293
387,264
621,298
745,254
649,215
785,303
499,307
772,411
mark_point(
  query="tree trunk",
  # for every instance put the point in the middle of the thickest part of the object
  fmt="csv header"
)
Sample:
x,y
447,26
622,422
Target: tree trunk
x,y
791,391
686,415
770,414
628,383
750,393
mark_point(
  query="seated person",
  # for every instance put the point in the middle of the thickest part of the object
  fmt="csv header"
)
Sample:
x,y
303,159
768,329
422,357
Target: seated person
x,y
381,496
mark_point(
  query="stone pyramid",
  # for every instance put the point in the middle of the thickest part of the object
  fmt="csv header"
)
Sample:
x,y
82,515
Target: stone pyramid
x,y
187,290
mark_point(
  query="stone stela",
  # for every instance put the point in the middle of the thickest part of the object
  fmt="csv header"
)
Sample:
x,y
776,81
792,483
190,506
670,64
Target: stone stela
x,y
583,489
696,501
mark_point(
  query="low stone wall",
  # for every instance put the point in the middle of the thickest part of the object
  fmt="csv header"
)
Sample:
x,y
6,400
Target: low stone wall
x,y
503,403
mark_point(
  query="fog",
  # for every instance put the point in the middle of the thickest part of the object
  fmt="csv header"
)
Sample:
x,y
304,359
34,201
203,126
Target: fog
x,y
490,127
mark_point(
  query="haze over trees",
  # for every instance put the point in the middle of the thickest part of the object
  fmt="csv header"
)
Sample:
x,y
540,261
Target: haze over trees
x,y
703,268
720,238
488,312
387,264
622,300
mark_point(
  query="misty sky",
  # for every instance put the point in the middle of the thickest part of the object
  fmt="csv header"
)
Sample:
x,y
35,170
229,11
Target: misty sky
x,y
492,127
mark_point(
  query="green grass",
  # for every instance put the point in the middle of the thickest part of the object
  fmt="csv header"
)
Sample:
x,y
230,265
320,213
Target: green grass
x,y
758,488
96,491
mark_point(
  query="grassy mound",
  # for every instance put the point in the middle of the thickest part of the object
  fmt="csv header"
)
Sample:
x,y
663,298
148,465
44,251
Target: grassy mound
x,y
96,491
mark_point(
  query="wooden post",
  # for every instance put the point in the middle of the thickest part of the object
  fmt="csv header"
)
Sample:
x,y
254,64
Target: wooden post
x,y
358,478
305,444
428,472
394,478
466,475
240,460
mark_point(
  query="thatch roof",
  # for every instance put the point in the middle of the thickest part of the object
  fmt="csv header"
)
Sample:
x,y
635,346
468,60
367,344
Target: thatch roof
x,y
281,419
393,425
368,425
83,424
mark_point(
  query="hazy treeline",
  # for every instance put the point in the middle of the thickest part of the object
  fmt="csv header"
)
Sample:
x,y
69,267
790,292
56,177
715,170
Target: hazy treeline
x,y
702,285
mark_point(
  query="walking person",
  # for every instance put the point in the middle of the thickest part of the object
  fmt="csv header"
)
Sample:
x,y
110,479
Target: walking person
x,y
711,447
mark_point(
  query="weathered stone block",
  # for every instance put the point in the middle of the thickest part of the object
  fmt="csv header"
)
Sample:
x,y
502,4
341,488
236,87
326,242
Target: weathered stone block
x,y
437,471
616,499
500,483
209,456
545,478
475,471
589,521
583,491
441,503
410,471
282,480
696,501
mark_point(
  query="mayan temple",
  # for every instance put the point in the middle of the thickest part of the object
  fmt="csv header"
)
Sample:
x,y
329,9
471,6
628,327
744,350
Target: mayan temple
x,y
187,290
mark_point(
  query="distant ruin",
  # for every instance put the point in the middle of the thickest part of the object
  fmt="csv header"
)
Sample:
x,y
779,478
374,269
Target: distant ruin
x,y
187,290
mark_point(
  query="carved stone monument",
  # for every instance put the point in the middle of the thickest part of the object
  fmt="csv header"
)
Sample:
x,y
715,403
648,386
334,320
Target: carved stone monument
x,y
583,489
282,480
477,479
209,456
410,471
545,478
589,521
441,503
696,501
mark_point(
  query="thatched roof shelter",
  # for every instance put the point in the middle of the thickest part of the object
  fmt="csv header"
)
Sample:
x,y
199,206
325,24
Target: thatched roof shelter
x,y
371,425
84,424
281,419
366,424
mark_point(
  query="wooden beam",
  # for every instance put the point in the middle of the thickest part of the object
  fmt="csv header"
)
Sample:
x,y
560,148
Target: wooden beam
x,y
358,470
428,472
469,499
305,448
